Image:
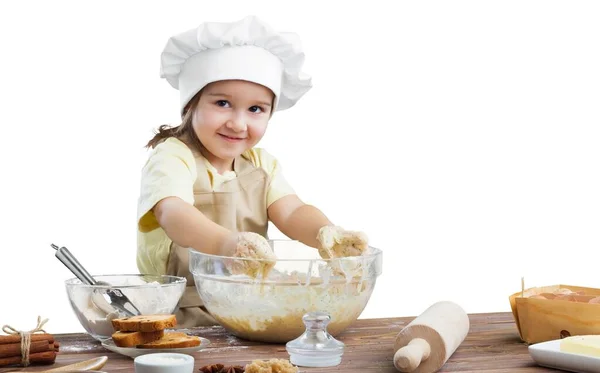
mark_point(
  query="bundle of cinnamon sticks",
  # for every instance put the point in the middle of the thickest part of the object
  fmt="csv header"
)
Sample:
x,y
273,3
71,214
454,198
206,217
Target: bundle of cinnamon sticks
x,y
42,349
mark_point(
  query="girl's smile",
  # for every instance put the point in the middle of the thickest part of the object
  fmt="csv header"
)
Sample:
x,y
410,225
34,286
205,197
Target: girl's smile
x,y
233,139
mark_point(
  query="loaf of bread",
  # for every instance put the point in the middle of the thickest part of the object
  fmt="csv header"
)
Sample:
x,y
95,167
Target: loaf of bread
x,y
173,340
132,339
568,295
147,323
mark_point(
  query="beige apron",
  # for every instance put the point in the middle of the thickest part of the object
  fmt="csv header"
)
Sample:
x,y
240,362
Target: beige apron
x,y
239,205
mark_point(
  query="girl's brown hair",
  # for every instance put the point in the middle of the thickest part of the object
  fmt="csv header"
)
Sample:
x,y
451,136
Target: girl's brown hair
x,y
184,131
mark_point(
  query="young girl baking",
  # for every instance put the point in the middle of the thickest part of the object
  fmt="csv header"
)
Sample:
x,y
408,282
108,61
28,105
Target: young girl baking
x,y
205,185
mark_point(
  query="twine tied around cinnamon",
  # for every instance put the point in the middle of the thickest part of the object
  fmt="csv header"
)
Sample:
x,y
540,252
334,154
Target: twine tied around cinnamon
x,y
25,338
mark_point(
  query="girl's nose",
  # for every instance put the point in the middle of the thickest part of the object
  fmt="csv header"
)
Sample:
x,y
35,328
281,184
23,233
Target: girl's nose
x,y
237,123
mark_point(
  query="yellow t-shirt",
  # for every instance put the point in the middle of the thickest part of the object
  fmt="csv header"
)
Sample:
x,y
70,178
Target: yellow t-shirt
x,y
170,171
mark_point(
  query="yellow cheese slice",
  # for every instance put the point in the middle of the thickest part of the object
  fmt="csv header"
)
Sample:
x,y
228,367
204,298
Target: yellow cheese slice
x,y
588,345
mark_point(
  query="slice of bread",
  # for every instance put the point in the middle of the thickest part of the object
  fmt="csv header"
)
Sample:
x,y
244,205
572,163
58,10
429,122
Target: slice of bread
x,y
146,323
132,339
173,340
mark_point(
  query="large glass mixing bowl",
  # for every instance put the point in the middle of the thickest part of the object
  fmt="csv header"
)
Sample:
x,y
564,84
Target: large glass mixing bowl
x,y
270,309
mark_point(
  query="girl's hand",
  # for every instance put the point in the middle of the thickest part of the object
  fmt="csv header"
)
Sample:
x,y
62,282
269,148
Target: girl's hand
x,y
336,242
249,246
253,245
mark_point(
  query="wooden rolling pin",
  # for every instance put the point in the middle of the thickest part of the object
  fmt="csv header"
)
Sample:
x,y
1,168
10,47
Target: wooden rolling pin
x,y
427,342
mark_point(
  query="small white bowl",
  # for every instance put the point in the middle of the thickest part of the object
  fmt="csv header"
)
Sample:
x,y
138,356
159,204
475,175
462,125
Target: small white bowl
x,y
164,363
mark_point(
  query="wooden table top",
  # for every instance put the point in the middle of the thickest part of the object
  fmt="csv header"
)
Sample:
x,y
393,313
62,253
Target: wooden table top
x,y
492,345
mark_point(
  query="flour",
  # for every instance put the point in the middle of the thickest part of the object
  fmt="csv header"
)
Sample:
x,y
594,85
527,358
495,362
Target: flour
x,y
160,359
94,320
225,349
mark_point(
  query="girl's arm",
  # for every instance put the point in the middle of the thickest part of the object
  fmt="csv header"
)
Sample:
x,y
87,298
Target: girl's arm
x,y
297,220
188,227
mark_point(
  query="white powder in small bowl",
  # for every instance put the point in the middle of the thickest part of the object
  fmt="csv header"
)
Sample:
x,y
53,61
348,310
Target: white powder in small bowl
x,y
158,359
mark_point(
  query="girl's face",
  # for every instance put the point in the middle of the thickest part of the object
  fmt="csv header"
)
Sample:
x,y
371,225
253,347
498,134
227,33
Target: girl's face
x,y
231,117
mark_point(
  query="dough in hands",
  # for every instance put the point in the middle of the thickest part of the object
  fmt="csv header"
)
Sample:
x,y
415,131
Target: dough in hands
x,y
252,245
338,243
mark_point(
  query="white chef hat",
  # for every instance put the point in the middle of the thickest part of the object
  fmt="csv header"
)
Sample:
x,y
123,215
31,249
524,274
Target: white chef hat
x,y
248,49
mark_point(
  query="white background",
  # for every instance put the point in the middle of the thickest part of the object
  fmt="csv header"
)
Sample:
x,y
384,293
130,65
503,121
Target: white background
x,y
461,136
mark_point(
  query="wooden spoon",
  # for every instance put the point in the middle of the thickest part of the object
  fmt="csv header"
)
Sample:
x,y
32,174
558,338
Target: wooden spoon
x,y
82,366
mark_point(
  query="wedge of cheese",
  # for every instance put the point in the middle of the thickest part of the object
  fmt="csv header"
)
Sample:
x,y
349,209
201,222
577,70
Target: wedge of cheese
x,y
588,345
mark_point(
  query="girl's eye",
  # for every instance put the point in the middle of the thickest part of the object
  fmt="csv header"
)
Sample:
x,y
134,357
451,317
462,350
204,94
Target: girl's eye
x,y
222,103
256,109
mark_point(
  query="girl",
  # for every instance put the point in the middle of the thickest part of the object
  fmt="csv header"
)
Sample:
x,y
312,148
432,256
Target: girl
x,y
205,186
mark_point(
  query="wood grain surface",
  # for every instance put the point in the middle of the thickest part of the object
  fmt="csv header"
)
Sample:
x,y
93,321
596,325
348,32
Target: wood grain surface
x,y
492,345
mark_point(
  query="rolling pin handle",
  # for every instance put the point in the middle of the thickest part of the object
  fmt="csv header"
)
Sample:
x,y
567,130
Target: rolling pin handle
x,y
408,358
